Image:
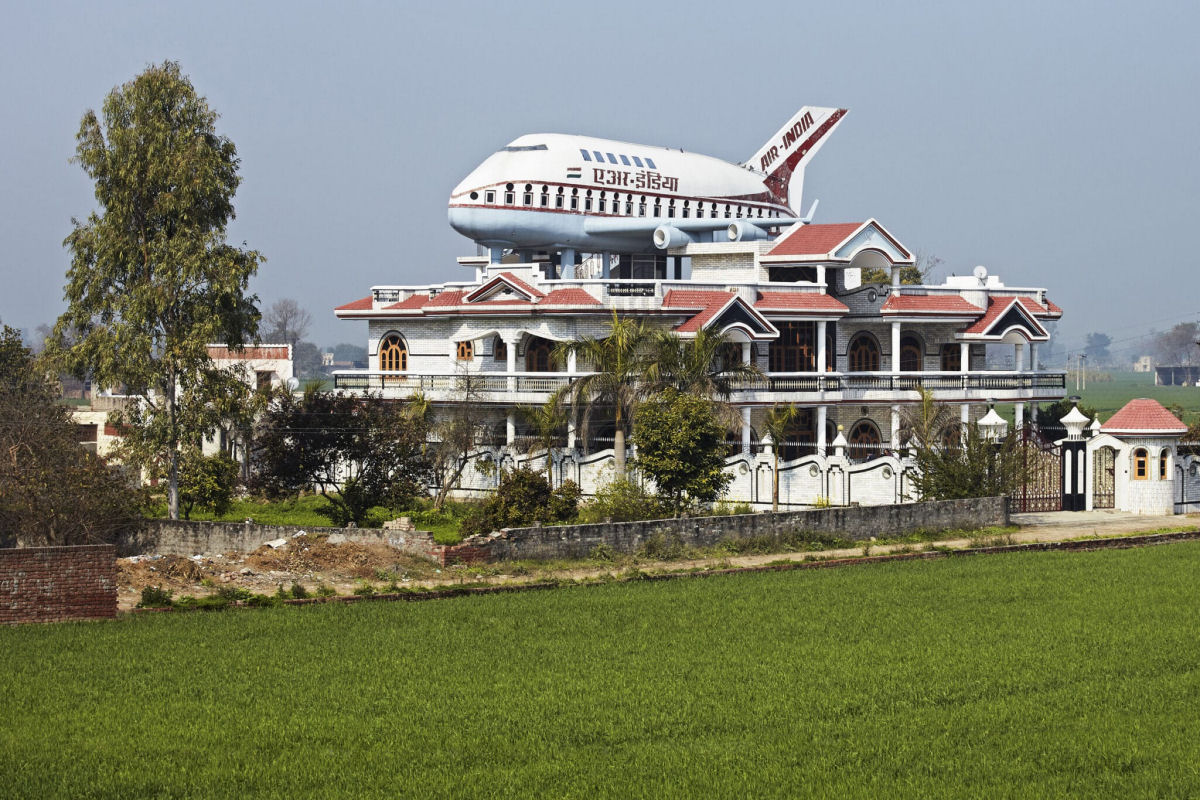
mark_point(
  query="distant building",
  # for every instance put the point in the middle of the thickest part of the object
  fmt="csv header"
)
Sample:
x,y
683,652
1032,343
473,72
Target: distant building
x,y
1186,375
1144,364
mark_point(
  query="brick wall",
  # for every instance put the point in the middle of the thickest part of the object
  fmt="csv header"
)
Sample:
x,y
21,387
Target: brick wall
x,y
859,523
52,584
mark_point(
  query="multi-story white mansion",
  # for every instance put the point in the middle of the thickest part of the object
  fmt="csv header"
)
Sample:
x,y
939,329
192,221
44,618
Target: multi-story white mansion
x,y
849,354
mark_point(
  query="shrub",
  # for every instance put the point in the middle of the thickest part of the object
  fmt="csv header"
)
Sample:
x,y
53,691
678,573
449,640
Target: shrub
x,y
364,589
522,498
622,501
155,597
299,592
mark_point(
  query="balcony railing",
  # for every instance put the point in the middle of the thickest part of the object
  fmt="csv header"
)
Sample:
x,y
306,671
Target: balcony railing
x,y
467,385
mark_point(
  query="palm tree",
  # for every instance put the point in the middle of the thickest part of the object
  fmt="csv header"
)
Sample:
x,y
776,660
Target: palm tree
x,y
777,424
698,365
547,422
620,360
926,424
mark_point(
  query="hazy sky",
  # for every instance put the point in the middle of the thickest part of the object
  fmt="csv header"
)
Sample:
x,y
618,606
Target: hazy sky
x,y
1055,143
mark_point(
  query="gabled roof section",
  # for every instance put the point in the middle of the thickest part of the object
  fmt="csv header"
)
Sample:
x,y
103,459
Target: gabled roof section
x,y
836,242
800,303
569,297
1144,416
502,283
928,305
452,297
1005,313
722,311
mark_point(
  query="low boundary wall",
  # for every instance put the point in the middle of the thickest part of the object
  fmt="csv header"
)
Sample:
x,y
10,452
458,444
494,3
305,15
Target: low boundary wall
x,y
189,537
53,584
858,523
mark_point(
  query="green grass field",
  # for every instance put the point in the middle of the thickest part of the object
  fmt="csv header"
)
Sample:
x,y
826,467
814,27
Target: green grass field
x,y
1030,675
1108,396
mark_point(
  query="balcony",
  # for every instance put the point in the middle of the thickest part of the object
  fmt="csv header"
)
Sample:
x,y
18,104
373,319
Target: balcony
x,y
876,387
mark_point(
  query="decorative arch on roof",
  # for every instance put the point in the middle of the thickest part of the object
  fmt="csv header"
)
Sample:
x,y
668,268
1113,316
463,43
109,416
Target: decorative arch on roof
x,y
735,314
1004,323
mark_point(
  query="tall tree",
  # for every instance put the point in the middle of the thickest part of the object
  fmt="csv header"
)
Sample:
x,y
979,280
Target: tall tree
x,y
620,360
1178,346
286,321
152,278
1096,348
52,491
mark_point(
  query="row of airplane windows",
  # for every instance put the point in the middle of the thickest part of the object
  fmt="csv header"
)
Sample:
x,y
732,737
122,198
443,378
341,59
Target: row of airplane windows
x,y
601,205
612,159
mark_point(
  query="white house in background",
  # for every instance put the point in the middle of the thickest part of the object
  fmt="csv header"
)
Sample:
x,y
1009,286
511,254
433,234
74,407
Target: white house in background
x,y
262,365
850,355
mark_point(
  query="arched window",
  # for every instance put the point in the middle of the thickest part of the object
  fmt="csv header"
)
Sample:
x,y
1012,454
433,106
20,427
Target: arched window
x,y
864,440
796,348
1141,465
910,354
863,353
539,355
951,358
1164,464
499,350
393,354
465,350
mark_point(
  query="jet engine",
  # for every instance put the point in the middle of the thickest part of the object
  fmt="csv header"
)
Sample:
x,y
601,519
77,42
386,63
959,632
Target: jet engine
x,y
668,236
745,232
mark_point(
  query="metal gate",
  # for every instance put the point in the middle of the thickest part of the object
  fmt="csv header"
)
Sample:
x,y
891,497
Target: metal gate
x,y
1104,477
1040,488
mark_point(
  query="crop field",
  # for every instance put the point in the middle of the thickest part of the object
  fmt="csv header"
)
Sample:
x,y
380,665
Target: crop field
x,y
1024,675
1116,389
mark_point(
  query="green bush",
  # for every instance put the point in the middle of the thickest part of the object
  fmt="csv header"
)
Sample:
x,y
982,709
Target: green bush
x,y
523,497
155,597
622,501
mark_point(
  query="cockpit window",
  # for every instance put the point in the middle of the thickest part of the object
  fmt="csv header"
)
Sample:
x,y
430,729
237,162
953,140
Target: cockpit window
x,y
523,148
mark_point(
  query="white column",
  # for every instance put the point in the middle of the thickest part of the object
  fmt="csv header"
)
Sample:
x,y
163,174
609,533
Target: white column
x,y
1019,356
964,417
746,431
510,432
1018,415
571,368
571,364
821,354
895,347
1033,361
606,265
896,428
511,364
821,274
822,445
964,356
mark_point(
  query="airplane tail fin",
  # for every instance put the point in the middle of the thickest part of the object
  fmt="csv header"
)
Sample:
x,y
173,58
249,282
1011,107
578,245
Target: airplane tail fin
x,y
785,154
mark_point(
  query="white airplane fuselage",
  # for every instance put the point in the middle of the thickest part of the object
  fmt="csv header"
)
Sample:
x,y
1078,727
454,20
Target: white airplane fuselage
x,y
557,191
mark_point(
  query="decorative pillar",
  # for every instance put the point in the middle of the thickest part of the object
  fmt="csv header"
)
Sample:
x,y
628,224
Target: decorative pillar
x,y
1074,462
746,431
821,275
1033,356
1018,415
964,418
821,421
821,354
964,356
606,265
495,255
510,429
566,261
1019,356
895,348
896,429
511,364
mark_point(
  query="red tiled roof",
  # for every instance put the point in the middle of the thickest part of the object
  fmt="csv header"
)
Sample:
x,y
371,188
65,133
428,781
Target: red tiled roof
x,y
928,304
1143,415
998,305
703,318
358,305
569,297
694,298
221,352
449,298
414,303
522,285
799,301
1053,307
814,240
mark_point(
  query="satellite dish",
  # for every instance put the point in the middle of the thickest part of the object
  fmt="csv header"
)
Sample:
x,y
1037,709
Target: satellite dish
x,y
980,273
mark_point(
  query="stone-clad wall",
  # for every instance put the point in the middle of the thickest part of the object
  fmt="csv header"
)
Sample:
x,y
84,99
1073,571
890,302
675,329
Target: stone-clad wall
x,y
52,584
186,538
859,523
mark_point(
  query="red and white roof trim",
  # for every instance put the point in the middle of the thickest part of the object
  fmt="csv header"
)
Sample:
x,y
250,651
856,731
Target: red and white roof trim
x,y
836,242
1004,314
1145,417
